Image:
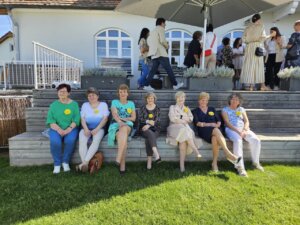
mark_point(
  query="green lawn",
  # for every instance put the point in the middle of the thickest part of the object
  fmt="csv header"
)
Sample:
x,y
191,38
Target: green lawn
x,y
32,195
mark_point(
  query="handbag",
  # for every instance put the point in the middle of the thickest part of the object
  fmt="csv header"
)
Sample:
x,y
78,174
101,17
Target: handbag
x,y
259,51
96,162
292,53
208,52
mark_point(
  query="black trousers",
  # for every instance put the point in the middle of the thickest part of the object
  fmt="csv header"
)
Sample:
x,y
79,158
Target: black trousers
x,y
272,68
150,140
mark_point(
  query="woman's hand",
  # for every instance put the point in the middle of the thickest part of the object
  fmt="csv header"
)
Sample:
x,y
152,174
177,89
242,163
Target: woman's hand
x,y
243,133
146,127
121,123
60,131
87,132
151,122
95,131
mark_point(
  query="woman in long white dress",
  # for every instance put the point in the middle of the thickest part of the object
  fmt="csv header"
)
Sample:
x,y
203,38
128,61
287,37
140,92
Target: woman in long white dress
x,y
253,66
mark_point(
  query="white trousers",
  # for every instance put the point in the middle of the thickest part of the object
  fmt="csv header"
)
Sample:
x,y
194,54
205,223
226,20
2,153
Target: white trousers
x,y
254,144
87,153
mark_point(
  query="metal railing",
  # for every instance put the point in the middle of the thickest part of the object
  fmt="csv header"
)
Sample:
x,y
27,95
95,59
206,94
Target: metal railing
x,y
51,66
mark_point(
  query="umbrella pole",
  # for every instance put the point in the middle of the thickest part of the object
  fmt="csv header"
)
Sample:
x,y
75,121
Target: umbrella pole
x,y
204,38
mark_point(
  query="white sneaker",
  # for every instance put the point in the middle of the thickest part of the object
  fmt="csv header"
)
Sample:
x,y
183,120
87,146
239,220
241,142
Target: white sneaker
x,y
242,172
66,167
276,88
179,85
258,167
148,88
56,170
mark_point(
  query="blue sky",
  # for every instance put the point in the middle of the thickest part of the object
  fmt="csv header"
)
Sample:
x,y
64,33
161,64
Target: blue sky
x,y
5,25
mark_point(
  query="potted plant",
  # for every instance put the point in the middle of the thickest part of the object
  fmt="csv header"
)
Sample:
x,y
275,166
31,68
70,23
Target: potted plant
x,y
290,79
202,79
223,77
108,78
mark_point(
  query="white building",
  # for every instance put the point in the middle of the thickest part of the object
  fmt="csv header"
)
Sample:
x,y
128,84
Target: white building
x,y
7,47
91,30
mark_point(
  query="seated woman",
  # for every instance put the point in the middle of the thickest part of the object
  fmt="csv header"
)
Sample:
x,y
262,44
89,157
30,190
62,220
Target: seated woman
x,y
207,123
237,129
179,130
63,118
149,118
123,112
94,116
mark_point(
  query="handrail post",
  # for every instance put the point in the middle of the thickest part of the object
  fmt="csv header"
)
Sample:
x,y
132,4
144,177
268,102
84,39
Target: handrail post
x,y
35,66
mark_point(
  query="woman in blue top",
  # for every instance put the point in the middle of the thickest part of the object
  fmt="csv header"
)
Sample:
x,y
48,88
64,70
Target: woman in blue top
x,y
123,112
238,129
94,116
208,123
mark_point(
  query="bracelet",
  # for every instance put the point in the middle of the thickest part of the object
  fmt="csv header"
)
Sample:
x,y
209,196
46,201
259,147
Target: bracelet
x,y
71,127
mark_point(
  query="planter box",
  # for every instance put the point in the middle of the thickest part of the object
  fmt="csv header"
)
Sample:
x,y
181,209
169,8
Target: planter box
x,y
102,82
290,84
210,84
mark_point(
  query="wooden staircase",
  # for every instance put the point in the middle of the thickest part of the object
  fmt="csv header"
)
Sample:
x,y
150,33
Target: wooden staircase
x,y
274,116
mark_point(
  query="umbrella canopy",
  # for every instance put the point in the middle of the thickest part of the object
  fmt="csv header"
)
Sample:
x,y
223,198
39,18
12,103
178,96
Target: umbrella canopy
x,y
220,12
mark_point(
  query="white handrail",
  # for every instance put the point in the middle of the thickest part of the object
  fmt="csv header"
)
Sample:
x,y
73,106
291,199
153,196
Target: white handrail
x,y
54,66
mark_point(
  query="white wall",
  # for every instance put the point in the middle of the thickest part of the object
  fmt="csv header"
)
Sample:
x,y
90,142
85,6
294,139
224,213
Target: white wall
x,y
5,53
73,31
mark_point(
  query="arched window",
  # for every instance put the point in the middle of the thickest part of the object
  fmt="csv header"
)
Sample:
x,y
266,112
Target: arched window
x,y
113,43
233,35
178,45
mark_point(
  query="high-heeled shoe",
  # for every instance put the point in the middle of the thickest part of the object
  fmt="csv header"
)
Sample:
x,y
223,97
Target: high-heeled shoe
x,y
198,156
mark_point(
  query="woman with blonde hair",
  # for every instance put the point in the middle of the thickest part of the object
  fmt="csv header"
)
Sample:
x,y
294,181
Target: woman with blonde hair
x,y
149,118
179,131
123,112
207,123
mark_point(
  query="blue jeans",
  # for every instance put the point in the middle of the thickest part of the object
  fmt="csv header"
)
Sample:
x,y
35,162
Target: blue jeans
x,y
144,73
56,142
164,61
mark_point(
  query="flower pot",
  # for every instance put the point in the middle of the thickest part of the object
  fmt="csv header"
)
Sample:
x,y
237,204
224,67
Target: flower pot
x,y
102,82
210,84
290,84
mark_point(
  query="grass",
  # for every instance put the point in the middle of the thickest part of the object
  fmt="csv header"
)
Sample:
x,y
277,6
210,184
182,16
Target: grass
x,y
32,195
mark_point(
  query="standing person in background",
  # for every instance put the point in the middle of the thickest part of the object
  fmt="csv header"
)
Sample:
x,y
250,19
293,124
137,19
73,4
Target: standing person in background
x,y
194,51
294,41
275,55
211,48
144,61
253,66
227,53
237,60
158,46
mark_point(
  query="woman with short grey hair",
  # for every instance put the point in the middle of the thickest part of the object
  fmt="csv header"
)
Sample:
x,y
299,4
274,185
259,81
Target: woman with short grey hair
x,y
149,118
238,129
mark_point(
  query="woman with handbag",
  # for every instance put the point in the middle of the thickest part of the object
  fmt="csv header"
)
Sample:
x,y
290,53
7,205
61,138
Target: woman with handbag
x,y
192,57
149,119
94,116
293,46
253,66
275,56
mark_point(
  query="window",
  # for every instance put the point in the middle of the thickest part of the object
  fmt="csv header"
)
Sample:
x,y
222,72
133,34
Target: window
x,y
233,35
178,45
113,43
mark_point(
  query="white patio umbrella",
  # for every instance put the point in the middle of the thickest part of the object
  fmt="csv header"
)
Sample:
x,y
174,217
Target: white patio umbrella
x,y
218,12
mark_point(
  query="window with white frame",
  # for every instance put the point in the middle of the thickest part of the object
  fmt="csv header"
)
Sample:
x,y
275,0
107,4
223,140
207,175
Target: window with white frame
x,y
113,43
178,45
232,35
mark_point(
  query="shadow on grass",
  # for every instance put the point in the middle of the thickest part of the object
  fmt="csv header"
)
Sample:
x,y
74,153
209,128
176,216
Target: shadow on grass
x,y
32,192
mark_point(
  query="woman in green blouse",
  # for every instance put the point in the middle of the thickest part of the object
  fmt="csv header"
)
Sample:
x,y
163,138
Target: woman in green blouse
x,y
63,119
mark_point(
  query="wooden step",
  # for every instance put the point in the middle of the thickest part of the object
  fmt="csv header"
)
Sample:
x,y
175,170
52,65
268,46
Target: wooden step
x,y
261,120
32,148
253,100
